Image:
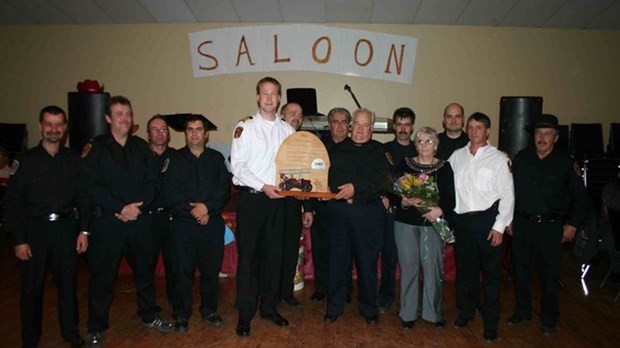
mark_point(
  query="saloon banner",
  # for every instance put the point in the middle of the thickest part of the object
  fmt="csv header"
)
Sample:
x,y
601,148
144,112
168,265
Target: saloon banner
x,y
303,48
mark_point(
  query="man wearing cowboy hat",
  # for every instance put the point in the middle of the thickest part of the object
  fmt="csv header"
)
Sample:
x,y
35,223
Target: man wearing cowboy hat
x,y
550,204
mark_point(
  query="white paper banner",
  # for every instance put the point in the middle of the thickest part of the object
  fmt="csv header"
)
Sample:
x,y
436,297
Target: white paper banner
x,y
303,47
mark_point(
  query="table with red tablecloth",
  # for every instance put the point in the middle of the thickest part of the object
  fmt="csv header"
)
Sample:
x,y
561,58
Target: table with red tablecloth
x,y
229,262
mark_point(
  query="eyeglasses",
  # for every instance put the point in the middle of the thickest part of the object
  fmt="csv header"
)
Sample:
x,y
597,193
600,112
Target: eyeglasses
x,y
159,130
425,141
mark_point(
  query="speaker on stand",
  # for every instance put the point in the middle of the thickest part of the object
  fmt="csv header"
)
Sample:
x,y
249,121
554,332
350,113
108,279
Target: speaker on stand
x,y
86,117
13,138
516,117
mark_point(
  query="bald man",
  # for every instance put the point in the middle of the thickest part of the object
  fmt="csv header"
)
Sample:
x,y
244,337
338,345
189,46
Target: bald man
x,y
452,137
292,114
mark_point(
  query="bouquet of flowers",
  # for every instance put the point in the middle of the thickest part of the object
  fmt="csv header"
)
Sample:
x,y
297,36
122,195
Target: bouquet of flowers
x,y
424,187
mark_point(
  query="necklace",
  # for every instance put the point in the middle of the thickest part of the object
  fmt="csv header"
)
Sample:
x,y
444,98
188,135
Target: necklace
x,y
424,168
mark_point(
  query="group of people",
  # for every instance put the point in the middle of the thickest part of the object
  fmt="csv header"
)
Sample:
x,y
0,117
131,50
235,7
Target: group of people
x,y
129,197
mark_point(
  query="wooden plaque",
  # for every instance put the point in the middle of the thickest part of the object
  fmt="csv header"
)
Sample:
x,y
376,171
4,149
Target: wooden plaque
x,y
302,167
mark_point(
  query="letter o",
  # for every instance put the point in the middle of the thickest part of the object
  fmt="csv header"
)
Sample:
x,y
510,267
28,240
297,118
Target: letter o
x,y
329,50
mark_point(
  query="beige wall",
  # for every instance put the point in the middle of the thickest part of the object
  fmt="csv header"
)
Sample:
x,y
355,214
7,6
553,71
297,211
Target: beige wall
x,y
576,72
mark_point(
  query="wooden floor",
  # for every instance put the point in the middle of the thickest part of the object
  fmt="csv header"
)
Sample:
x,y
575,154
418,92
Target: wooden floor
x,y
586,321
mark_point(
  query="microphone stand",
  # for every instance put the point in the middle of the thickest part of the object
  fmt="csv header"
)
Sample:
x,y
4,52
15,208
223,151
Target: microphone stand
x,y
348,89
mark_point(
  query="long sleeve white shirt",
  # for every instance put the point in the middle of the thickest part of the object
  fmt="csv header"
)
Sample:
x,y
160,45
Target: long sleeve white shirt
x,y
254,147
482,179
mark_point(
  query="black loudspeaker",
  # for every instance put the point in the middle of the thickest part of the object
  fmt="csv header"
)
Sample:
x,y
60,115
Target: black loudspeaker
x,y
614,138
13,138
586,139
86,117
563,143
306,97
516,118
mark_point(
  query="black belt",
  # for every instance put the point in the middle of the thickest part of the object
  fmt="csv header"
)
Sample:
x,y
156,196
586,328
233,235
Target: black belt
x,y
157,211
479,212
248,189
541,218
56,216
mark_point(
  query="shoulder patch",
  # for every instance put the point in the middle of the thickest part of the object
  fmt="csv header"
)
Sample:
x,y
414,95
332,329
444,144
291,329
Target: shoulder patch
x,y
164,167
13,167
389,158
238,132
86,149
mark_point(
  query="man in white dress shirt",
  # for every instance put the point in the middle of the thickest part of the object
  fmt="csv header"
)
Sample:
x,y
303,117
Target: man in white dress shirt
x,y
260,227
484,207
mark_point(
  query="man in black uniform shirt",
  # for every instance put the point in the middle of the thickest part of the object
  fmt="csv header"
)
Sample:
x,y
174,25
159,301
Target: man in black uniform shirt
x,y
401,147
403,120
550,203
197,185
294,220
40,203
122,179
452,137
359,168
159,136
338,120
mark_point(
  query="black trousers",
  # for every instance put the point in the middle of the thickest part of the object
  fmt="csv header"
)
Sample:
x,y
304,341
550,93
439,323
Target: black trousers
x,y
319,235
355,229
202,247
109,241
162,242
259,246
51,242
320,249
389,260
474,254
290,247
537,247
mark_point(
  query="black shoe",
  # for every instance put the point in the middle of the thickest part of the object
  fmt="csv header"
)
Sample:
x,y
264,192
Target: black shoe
x,y
489,336
213,319
330,318
407,325
76,341
516,319
181,326
372,320
440,324
292,301
94,340
317,296
349,299
460,323
160,324
275,318
243,328
548,330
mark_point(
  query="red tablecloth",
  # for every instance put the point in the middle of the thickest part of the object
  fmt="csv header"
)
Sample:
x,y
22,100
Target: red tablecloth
x,y
229,263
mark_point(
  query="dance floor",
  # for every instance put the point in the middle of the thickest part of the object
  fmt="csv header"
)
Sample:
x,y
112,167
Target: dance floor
x,y
586,320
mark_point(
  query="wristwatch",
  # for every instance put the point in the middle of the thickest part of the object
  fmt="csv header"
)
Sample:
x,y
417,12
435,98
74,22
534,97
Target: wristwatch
x,y
86,233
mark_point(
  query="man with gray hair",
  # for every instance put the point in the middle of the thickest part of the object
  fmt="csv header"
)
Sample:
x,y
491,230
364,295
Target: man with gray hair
x,y
338,119
550,204
358,169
